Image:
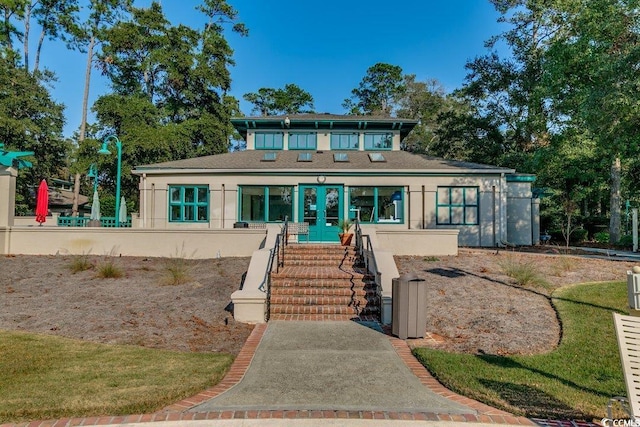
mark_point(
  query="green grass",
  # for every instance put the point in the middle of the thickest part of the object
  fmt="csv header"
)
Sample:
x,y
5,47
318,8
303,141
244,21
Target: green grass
x,y
45,377
574,381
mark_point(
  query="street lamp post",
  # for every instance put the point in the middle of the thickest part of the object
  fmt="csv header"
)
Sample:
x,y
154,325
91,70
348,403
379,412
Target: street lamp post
x,y
104,150
93,173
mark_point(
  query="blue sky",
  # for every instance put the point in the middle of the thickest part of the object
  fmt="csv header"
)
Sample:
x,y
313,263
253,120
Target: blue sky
x,y
323,47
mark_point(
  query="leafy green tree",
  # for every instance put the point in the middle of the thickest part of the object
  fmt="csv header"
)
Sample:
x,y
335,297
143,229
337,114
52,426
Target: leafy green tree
x,y
377,92
170,86
31,123
290,100
593,79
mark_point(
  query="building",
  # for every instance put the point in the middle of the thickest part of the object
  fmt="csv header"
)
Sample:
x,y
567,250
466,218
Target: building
x,y
321,168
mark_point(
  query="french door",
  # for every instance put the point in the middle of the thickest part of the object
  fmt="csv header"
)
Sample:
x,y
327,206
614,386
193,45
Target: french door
x,y
322,207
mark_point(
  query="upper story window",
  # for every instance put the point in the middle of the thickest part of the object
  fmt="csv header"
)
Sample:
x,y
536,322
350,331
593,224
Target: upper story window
x,y
268,140
378,141
344,141
302,141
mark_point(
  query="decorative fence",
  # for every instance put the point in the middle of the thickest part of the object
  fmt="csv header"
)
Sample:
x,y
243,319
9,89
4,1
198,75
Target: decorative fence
x,y
83,221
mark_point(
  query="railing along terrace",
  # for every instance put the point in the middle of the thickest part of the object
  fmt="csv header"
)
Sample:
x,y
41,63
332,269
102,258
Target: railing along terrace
x,y
83,221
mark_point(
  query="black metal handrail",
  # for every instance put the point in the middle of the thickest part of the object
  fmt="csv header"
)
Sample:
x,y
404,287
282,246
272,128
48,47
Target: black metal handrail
x,y
364,248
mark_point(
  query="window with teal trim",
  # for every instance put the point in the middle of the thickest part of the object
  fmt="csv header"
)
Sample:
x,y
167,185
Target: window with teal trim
x,y
345,141
457,206
378,141
302,141
188,203
268,140
265,203
377,204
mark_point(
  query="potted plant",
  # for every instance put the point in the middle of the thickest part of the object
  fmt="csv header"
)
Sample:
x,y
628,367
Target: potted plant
x,y
345,237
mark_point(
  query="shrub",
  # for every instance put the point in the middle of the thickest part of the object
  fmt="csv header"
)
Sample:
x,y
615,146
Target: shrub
x,y
524,274
108,270
80,263
601,237
626,242
176,271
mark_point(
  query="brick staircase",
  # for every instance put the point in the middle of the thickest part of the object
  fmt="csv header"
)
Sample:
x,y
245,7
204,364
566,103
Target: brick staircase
x,y
323,282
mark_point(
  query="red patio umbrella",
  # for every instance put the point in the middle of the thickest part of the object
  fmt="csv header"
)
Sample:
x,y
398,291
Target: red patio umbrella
x,y
42,202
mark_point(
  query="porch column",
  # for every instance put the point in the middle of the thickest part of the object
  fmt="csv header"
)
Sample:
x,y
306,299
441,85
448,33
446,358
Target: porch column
x,y
7,195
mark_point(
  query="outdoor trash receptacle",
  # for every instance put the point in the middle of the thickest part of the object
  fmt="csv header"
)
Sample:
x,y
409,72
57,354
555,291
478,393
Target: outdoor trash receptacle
x,y
408,307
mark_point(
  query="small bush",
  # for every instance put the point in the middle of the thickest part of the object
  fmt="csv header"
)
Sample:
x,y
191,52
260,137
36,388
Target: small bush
x,y
176,271
601,237
431,259
80,263
108,270
563,264
524,274
626,242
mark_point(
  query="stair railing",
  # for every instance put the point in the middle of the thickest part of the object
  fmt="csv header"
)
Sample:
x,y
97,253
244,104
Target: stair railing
x,y
276,256
364,248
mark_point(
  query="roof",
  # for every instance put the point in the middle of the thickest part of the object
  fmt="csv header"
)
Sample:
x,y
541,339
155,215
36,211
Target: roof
x,y
324,122
286,162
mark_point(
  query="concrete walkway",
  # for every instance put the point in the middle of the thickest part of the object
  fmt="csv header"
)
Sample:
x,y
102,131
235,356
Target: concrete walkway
x,y
329,365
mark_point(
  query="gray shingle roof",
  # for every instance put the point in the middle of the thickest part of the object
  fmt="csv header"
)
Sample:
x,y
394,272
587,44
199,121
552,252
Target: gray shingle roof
x,y
322,161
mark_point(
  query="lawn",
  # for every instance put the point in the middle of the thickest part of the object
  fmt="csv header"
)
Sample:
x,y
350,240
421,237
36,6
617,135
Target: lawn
x,y
575,381
45,377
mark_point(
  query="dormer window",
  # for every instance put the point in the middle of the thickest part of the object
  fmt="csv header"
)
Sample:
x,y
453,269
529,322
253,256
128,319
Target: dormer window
x,y
268,140
302,141
378,141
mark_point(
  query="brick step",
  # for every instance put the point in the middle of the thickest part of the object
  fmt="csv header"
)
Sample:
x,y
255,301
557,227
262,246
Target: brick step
x,y
367,290
294,249
326,317
321,309
335,263
338,256
321,283
314,272
346,301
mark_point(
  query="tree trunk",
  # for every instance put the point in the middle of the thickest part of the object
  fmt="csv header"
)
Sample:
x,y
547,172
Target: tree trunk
x,y
83,120
76,195
36,62
25,43
615,220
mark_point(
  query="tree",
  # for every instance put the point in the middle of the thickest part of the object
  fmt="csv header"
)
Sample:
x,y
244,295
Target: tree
x,y
290,100
423,101
592,78
170,86
31,123
377,92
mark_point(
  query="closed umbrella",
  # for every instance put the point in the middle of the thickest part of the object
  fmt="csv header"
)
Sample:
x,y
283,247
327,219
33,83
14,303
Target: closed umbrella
x,y
95,207
122,216
42,202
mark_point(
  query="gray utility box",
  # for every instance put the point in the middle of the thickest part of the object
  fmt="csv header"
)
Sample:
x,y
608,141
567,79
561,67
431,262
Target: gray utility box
x,y
633,290
408,307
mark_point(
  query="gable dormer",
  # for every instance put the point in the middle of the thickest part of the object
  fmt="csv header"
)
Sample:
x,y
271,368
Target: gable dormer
x,y
323,132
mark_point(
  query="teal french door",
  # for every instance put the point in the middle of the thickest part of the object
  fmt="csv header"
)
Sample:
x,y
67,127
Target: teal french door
x,y
322,206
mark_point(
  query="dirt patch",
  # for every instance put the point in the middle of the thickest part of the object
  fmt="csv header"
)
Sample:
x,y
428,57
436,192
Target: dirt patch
x,y
41,294
473,306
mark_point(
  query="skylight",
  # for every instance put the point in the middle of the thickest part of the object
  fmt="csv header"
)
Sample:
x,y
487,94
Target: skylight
x,y
340,157
304,157
377,157
269,156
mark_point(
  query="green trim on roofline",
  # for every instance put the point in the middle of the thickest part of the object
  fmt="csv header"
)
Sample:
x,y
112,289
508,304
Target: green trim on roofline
x,y
521,178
